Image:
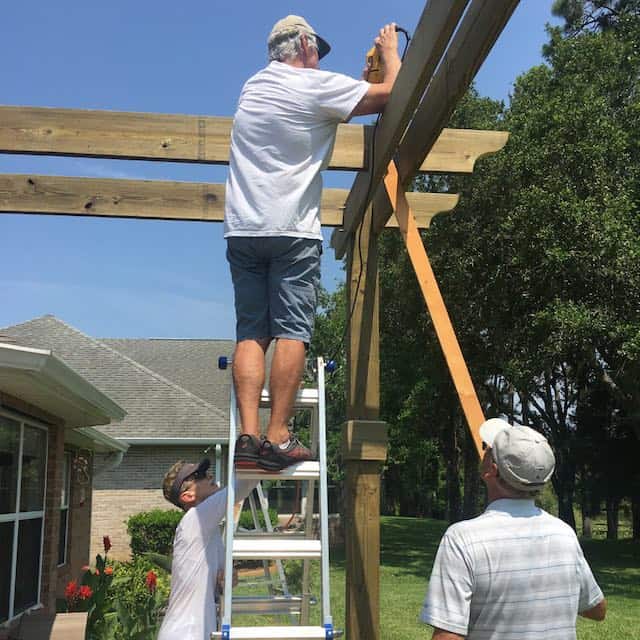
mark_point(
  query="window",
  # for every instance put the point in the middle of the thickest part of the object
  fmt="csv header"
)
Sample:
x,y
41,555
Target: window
x,y
23,472
64,509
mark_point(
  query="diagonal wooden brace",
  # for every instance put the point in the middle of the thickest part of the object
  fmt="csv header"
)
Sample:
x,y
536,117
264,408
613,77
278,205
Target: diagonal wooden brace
x,y
435,305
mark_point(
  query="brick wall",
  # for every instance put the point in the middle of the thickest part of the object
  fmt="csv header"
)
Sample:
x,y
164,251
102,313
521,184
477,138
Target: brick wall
x,y
134,486
78,535
55,448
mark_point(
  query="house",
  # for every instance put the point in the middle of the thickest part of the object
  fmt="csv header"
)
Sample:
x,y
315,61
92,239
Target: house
x,y
177,406
48,440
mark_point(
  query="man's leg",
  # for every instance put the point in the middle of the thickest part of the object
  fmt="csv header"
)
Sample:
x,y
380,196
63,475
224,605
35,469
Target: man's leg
x,y
248,378
294,274
287,368
249,272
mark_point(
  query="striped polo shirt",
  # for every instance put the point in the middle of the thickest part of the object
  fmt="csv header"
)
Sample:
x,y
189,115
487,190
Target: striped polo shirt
x,y
513,573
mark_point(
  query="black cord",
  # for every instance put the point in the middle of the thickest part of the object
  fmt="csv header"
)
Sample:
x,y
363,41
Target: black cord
x,y
359,238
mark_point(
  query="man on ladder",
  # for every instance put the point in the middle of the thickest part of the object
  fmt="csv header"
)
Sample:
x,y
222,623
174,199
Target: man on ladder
x,y
282,137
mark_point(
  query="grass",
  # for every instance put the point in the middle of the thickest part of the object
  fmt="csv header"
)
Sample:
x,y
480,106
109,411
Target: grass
x,y
408,549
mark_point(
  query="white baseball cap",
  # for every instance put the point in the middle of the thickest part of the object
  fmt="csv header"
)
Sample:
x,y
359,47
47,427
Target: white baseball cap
x,y
297,24
523,456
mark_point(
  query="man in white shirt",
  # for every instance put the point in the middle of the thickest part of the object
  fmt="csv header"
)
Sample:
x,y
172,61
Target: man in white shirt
x,y
515,571
198,550
283,135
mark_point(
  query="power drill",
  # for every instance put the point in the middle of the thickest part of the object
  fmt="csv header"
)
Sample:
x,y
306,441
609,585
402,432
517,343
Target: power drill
x,y
375,66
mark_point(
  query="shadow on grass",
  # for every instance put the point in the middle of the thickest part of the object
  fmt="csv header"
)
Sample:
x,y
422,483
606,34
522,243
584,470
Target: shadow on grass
x,y
410,544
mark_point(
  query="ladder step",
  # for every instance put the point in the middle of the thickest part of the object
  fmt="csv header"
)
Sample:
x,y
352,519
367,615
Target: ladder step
x,y
305,398
271,605
274,633
308,470
266,547
252,533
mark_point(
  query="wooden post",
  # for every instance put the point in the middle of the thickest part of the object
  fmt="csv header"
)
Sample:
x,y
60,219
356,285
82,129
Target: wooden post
x,y
364,441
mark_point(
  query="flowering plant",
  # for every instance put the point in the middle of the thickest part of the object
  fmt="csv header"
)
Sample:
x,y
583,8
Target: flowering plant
x,y
77,595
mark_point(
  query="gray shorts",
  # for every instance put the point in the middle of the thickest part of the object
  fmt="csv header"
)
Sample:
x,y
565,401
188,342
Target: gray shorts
x,y
275,281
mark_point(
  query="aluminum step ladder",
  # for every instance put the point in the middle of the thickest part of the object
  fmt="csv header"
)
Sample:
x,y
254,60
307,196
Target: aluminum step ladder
x,y
272,545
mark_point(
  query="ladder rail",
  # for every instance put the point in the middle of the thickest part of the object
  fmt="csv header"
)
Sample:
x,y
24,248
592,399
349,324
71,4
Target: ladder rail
x,y
229,526
313,399
323,498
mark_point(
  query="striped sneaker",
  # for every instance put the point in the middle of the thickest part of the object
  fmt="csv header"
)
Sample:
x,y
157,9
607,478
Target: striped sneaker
x,y
274,458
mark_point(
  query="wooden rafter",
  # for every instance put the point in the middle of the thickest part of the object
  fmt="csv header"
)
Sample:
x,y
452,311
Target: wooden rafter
x,y
163,200
202,139
470,45
431,36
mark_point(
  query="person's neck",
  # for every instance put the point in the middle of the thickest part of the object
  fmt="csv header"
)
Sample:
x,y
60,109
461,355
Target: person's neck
x,y
294,62
495,491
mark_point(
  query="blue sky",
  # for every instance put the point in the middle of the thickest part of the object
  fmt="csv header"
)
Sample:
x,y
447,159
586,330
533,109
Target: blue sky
x,y
141,278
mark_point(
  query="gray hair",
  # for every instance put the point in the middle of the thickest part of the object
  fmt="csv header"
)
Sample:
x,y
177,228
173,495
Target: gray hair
x,y
289,47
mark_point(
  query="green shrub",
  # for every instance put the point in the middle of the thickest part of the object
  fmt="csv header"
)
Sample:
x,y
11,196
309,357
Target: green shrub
x,y
246,519
153,531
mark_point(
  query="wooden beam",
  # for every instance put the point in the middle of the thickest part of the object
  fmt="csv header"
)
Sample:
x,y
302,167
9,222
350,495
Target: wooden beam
x,y
476,35
162,200
461,148
204,139
437,23
436,306
470,45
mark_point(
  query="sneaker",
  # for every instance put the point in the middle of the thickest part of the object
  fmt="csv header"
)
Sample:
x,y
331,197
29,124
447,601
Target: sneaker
x,y
247,452
274,458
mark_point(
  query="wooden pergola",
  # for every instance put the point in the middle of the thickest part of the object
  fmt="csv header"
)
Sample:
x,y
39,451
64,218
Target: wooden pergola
x,y
450,42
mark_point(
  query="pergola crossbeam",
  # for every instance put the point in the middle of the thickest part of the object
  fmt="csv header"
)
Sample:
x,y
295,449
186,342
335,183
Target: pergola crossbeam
x,y
163,200
470,45
432,34
478,31
156,137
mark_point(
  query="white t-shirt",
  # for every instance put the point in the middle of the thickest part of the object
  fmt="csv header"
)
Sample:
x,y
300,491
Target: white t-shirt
x,y
282,137
513,572
198,555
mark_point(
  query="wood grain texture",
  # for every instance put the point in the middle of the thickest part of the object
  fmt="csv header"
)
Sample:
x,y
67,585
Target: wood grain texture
x,y
436,307
478,30
204,139
437,23
161,200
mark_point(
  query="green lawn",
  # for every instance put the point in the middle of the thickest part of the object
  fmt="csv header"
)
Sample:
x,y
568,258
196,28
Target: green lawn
x,y
408,549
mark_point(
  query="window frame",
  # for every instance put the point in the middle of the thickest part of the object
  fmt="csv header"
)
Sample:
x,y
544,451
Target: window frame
x,y
18,516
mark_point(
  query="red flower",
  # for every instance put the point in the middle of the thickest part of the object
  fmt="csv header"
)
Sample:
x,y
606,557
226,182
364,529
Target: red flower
x,y
108,571
97,572
85,592
71,591
152,580
107,543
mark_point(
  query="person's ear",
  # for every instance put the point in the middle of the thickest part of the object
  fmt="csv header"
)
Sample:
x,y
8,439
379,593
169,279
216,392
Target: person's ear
x,y
188,497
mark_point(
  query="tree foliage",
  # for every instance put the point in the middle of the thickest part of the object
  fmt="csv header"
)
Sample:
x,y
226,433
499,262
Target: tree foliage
x,y
539,266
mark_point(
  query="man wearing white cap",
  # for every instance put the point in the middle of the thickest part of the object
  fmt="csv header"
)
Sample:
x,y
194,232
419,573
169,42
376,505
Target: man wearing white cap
x,y
283,135
515,571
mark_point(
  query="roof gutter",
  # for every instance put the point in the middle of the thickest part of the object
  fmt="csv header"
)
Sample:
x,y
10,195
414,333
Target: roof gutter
x,y
173,441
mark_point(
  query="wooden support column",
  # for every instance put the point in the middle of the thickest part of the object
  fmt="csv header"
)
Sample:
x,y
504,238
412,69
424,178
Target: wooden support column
x,y
364,440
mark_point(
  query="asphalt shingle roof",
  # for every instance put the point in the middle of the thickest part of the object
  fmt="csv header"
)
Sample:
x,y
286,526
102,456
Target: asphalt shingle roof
x,y
157,405
191,364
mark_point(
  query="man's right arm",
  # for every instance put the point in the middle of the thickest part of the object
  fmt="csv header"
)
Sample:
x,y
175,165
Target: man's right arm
x,y
377,95
596,613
